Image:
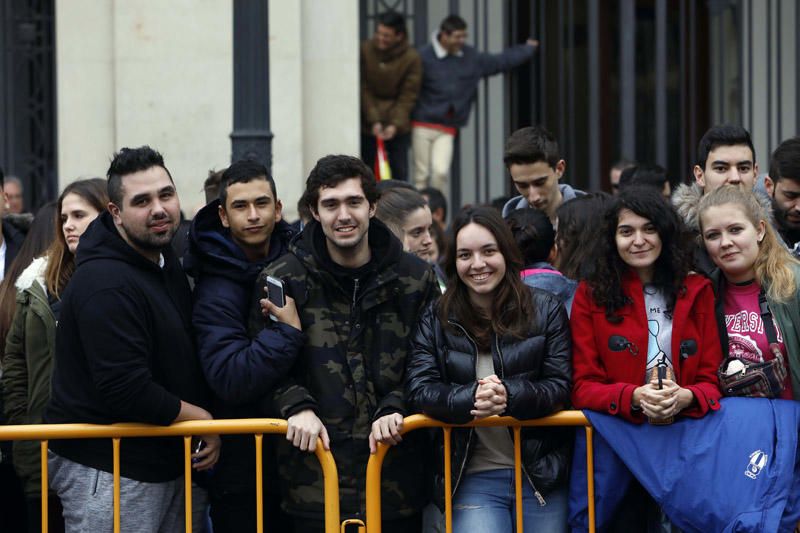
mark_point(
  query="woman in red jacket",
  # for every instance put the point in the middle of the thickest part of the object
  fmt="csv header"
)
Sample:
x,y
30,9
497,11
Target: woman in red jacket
x,y
641,309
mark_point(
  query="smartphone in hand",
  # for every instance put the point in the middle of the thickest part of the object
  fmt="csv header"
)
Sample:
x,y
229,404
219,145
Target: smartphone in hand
x,y
275,293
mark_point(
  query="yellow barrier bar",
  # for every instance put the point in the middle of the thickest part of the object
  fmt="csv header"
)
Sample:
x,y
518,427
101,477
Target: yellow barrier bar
x,y
259,480
448,482
518,476
45,504
45,432
187,481
115,444
414,422
590,475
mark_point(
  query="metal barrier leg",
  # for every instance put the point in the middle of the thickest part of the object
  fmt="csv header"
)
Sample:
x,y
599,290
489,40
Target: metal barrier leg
x,y
115,444
448,483
187,481
518,476
259,480
45,484
590,476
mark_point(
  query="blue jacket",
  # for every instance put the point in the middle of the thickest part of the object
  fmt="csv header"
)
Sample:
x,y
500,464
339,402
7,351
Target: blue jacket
x,y
449,84
240,370
556,283
734,470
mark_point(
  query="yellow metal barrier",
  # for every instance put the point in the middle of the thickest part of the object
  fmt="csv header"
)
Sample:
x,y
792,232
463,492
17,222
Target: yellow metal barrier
x,y
564,418
257,426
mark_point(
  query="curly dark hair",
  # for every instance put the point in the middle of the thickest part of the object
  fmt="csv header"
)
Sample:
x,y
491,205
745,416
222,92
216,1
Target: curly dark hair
x,y
671,267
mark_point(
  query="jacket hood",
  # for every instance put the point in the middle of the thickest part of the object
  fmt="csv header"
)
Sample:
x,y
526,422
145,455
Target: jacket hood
x,y
387,55
212,251
101,240
309,245
20,222
520,202
33,273
686,200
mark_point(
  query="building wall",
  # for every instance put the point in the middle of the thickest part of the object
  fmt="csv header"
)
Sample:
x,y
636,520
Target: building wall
x,y
161,73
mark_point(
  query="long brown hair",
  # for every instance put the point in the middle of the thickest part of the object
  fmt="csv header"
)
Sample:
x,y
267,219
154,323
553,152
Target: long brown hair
x,y
512,311
39,237
61,262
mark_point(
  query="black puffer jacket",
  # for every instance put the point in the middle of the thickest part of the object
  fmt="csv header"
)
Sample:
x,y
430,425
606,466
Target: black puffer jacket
x,y
536,372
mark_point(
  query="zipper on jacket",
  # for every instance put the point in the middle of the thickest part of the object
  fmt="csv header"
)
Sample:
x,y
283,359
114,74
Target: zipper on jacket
x,y
536,492
355,296
471,430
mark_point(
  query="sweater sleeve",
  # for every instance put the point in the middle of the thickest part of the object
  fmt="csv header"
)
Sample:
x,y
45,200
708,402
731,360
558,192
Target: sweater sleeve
x,y
592,387
239,369
491,64
117,355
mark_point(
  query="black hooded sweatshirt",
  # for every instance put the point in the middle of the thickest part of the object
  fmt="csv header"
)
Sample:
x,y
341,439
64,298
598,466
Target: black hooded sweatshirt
x,y
124,353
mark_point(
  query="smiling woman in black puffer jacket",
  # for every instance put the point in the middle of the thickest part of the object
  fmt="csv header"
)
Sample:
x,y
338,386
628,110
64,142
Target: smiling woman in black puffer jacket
x,y
492,346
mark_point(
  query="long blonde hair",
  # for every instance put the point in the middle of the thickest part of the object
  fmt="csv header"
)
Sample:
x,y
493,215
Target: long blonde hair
x,y
773,266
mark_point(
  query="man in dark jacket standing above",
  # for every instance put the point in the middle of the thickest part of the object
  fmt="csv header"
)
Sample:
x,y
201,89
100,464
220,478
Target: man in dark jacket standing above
x,y
358,296
125,353
451,72
231,240
391,73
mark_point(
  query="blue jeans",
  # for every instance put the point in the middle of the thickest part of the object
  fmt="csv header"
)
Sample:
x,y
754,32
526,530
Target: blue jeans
x,y
485,502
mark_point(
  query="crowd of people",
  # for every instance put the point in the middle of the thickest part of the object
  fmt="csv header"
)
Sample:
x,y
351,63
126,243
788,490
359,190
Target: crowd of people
x,y
622,304
372,307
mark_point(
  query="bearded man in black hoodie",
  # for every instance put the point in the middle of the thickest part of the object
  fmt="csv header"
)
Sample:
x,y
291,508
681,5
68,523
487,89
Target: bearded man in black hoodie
x,y
125,353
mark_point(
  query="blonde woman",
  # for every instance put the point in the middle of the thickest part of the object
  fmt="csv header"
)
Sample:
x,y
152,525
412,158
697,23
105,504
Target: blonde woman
x,y
750,261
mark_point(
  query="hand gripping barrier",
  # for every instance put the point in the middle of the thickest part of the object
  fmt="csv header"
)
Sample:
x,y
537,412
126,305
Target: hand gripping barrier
x,y
564,418
257,426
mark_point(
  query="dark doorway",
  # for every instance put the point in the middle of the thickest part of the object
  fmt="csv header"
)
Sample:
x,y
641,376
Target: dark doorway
x,y
27,97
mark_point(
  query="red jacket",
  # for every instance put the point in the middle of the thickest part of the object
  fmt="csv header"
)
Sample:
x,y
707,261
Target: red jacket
x,y
604,380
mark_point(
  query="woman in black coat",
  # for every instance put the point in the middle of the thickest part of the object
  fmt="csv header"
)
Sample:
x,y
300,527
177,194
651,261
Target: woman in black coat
x,y
493,346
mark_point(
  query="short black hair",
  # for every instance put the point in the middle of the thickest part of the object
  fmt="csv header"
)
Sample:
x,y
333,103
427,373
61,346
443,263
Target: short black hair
x,y
394,20
436,199
452,23
334,169
531,145
534,234
722,135
785,161
244,171
127,161
645,175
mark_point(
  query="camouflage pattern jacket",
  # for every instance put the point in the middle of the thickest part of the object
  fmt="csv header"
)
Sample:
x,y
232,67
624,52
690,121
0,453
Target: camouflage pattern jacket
x,y
351,371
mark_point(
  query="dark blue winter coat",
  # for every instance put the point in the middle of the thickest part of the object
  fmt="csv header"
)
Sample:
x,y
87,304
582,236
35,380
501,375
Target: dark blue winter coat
x,y
241,371
449,84
734,470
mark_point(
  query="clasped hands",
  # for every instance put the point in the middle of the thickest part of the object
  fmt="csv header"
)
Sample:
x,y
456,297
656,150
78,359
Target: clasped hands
x,y
663,403
491,397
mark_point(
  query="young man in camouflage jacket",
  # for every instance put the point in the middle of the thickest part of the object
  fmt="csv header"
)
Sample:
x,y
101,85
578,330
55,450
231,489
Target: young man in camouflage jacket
x,y
358,296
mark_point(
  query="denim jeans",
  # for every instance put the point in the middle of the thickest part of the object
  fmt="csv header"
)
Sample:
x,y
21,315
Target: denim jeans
x,y
485,502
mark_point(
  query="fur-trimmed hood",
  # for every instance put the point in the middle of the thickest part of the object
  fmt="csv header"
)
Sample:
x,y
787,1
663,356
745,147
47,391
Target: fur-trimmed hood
x,y
686,200
33,273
